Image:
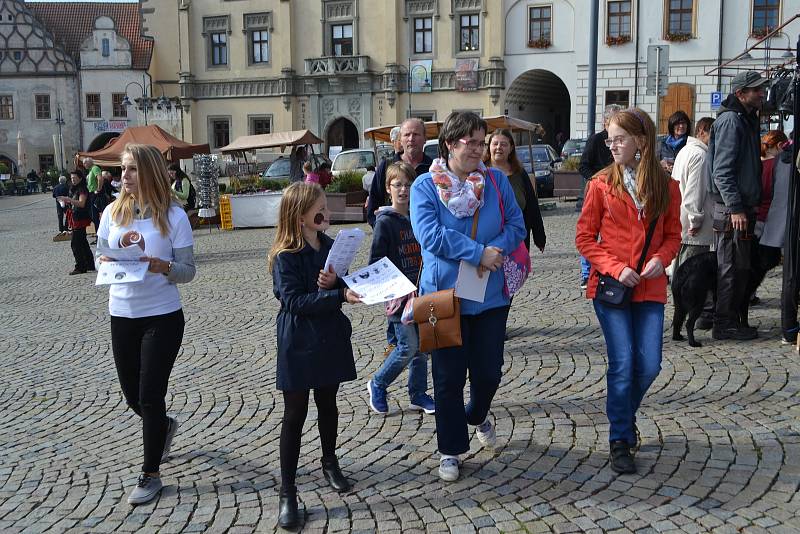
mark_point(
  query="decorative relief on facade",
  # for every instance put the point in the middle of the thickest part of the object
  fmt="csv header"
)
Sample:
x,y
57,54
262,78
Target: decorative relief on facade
x,y
216,24
354,106
467,5
337,65
420,7
339,10
258,21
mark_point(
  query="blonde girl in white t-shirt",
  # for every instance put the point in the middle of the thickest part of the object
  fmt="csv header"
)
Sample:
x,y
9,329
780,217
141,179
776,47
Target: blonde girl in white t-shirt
x,y
146,317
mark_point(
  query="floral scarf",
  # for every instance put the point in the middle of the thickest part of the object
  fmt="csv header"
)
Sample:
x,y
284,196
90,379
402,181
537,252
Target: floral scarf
x,y
461,198
629,180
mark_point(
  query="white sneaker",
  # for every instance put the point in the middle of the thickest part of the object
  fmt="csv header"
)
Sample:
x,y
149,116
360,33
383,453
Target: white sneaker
x,y
486,434
146,489
448,468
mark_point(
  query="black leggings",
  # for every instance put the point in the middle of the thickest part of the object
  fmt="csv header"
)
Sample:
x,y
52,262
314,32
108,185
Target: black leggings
x,y
145,349
295,408
84,259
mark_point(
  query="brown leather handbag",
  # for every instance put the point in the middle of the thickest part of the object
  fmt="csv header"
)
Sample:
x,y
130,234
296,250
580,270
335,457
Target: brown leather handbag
x,y
438,314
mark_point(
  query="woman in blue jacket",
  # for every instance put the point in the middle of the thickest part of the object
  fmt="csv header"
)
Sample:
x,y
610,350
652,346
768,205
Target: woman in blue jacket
x,y
444,203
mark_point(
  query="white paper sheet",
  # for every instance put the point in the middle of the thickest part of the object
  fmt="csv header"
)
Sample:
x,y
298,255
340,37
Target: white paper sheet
x,y
469,285
131,253
344,250
379,282
121,272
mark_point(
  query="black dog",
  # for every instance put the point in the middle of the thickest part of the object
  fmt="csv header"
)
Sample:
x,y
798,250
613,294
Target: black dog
x,y
692,281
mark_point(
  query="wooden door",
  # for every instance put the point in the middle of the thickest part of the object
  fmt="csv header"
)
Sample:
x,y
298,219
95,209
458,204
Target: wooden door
x,y
680,96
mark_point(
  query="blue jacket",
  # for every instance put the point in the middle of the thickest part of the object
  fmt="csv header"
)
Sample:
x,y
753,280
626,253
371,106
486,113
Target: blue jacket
x,y
445,240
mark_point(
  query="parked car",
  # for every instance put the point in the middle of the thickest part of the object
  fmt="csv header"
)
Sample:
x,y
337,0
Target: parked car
x,y
432,148
573,148
540,161
281,167
353,160
385,151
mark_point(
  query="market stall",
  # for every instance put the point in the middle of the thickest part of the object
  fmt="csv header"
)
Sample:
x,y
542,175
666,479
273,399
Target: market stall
x,y
260,209
170,146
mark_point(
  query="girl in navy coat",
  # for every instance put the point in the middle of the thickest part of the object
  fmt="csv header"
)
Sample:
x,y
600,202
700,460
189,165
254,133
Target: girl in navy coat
x,y
314,350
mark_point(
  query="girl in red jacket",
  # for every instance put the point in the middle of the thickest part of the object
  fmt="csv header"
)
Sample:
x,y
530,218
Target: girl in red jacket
x,y
621,202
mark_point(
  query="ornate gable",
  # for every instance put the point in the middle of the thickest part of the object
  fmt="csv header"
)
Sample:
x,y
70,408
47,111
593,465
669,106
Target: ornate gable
x,y
26,46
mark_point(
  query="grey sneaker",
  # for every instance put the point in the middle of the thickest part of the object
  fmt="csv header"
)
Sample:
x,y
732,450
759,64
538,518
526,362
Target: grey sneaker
x,y
172,429
448,468
486,434
146,489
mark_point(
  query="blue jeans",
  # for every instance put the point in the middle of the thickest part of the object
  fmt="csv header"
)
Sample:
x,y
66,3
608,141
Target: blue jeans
x,y
480,356
634,337
585,267
405,354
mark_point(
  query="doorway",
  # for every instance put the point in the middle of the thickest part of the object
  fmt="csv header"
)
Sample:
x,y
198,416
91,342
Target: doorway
x,y
342,132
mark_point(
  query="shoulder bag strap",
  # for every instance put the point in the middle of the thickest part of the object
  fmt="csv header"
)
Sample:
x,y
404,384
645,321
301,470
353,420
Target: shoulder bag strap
x,y
650,231
500,198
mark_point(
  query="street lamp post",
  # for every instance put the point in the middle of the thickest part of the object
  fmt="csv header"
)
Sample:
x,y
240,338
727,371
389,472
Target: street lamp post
x,y
60,122
145,100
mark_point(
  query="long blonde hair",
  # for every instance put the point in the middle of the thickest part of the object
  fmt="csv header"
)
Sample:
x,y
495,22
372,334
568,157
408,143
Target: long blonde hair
x,y
154,191
652,183
297,199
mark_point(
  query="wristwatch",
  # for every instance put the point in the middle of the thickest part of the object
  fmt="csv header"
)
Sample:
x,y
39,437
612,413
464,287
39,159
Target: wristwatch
x,y
169,269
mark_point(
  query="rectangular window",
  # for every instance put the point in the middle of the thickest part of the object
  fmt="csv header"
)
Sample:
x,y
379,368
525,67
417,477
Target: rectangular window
x,y
6,107
259,43
426,116
46,162
106,48
679,17
541,21
423,35
93,110
42,106
618,21
120,111
765,16
621,98
219,48
342,39
470,33
220,132
260,125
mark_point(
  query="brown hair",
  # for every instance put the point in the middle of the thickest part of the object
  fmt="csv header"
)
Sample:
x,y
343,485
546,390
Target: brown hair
x,y
399,169
513,160
154,190
771,139
456,126
652,183
297,199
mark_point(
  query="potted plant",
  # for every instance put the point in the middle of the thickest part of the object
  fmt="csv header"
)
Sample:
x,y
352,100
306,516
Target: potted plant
x,y
616,40
677,37
759,33
567,181
346,196
541,42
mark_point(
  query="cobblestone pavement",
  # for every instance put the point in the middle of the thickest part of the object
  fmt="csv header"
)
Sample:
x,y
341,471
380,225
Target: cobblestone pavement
x,y
721,448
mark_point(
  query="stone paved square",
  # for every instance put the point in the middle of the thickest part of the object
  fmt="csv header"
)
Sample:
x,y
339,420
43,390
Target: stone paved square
x,y
721,449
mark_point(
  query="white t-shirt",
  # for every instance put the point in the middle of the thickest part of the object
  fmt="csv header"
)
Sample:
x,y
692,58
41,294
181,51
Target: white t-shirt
x,y
155,295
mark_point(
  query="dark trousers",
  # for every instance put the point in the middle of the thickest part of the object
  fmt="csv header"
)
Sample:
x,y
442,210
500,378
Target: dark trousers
x,y
733,266
61,213
95,213
145,349
480,355
295,409
84,259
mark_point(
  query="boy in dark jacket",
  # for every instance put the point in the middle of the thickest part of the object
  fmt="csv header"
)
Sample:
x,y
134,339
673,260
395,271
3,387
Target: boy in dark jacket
x,y
394,239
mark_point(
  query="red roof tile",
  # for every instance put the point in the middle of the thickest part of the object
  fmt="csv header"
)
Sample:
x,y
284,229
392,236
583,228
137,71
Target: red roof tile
x,y
72,22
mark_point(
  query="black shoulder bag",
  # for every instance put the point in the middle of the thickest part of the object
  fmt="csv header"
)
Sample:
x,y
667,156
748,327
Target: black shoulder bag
x,y
614,293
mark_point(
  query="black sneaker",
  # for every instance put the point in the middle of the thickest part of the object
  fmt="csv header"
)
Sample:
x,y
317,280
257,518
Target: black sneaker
x,y
735,333
584,283
621,458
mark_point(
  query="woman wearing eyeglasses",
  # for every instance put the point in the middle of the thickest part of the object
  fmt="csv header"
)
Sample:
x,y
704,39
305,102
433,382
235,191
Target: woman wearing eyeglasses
x,y
621,204
445,202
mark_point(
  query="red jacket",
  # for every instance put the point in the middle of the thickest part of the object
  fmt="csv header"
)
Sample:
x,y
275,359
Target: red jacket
x,y
614,218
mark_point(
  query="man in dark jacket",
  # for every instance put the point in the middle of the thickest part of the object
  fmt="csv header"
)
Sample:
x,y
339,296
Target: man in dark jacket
x,y
734,170
61,190
412,139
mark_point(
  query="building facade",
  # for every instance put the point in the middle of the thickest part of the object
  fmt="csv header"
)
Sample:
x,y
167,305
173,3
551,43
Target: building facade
x,y
336,67
547,43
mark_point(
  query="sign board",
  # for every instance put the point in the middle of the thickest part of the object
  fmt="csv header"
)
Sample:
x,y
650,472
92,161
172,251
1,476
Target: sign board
x,y
716,100
466,75
657,69
421,77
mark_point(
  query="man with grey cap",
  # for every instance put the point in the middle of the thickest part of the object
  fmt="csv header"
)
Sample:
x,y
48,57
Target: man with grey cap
x,y
734,170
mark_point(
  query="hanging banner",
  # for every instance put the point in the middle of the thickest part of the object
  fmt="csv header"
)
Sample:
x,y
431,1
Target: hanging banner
x,y
467,74
420,74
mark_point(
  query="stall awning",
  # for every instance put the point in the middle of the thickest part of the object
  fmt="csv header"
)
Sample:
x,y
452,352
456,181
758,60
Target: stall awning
x,y
381,133
247,143
170,146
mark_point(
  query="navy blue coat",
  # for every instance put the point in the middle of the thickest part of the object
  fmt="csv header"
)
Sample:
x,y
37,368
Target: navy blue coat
x,y
314,347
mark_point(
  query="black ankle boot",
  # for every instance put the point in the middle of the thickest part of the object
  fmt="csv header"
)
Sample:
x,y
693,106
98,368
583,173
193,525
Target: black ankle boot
x,y
333,474
288,516
621,458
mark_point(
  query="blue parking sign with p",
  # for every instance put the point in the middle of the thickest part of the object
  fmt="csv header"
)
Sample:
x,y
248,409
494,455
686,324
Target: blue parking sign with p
x,y
716,99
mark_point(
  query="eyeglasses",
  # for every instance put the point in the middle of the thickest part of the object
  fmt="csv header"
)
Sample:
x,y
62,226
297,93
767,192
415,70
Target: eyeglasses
x,y
400,186
472,144
619,140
